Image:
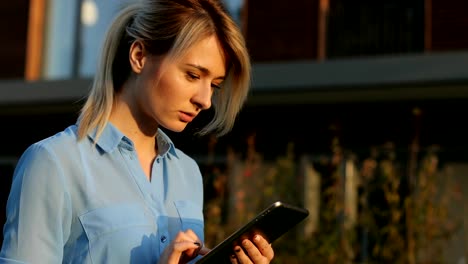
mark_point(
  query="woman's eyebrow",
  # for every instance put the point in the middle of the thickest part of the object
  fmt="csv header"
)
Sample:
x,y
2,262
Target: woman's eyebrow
x,y
203,70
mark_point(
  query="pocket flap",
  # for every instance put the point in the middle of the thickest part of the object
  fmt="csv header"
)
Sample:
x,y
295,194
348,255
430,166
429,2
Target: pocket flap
x,y
112,218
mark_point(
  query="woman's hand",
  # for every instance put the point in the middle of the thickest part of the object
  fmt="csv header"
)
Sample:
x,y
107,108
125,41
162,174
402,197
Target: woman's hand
x,y
185,247
258,251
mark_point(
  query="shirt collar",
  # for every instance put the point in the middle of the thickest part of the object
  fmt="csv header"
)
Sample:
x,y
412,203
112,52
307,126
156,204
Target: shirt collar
x,y
165,144
111,138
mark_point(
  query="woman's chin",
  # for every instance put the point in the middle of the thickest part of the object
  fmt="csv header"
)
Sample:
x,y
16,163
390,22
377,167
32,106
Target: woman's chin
x,y
177,127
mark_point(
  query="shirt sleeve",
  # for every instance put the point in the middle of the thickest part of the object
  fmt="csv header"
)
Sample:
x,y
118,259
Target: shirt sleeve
x,y
38,210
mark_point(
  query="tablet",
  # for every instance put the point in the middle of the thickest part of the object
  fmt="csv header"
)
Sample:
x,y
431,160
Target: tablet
x,y
271,223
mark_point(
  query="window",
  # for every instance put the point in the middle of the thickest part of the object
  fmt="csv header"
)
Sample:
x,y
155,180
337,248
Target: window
x,y
235,9
370,27
74,33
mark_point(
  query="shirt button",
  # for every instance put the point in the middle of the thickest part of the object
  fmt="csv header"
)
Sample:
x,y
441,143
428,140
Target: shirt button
x,y
163,239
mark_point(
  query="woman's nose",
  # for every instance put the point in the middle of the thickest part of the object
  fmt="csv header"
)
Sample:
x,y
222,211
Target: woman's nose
x,y
202,97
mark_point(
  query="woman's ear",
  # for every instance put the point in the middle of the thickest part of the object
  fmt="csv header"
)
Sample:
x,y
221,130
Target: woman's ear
x,y
137,56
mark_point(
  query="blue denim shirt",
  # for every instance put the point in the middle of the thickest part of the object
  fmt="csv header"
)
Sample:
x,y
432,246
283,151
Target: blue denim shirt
x,y
79,202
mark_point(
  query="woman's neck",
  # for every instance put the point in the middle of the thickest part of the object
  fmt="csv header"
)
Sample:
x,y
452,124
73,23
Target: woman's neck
x,y
142,133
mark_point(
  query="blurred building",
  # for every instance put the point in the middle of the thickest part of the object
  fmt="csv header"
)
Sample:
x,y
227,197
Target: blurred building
x,y
325,55
363,71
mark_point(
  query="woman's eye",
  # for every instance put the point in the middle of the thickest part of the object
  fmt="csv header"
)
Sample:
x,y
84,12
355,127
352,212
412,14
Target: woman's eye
x,y
192,76
216,86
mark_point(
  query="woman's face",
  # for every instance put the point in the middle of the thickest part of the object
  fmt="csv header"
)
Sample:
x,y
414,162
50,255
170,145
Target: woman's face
x,y
172,93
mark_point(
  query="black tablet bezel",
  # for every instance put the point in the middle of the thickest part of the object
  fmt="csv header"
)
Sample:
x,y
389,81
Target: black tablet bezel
x,y
271,223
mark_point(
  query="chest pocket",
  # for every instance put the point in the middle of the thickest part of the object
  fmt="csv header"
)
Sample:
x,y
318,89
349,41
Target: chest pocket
x,y
191,216
122,233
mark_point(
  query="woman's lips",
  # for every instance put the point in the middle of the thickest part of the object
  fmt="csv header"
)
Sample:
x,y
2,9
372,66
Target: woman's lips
x,y
186,117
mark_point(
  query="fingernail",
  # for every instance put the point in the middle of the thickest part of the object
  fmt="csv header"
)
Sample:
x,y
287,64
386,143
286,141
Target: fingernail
x,y
257,238
198,249
237,249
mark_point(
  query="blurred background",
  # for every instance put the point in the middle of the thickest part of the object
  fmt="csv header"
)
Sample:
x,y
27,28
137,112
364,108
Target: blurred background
x,y
356,112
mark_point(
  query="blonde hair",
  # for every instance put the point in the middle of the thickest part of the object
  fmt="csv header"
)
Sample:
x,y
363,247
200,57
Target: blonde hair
x,y
169,27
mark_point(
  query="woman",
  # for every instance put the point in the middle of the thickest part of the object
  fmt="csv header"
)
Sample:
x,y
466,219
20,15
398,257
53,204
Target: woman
x,y
113,188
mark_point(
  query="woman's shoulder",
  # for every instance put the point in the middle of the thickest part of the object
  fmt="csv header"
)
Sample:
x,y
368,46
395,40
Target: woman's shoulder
x,y
185,158
65,137
48,153
59,142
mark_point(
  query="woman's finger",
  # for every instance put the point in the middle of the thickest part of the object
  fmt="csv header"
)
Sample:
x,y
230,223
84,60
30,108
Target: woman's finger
x,y
233,259
264,247
203,250
241,255
182,249
193,235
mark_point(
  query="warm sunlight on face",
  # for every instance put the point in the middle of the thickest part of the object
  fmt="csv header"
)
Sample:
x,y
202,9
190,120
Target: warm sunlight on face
x,y
174,94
